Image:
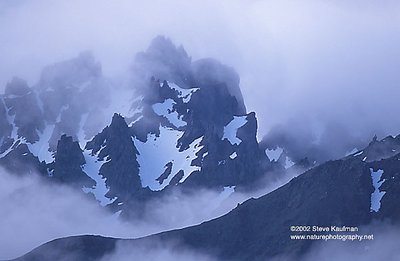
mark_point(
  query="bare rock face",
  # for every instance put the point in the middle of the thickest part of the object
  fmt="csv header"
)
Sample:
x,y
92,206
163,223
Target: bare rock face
x,y
115,147
186,127
67,166
336,193
5,128
24,107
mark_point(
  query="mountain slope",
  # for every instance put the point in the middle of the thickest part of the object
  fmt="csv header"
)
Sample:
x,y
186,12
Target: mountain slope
x,y
339,193
178,125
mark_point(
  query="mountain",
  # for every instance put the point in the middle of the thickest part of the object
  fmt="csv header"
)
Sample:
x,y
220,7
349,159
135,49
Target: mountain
x,y
173,125
180,127
348,192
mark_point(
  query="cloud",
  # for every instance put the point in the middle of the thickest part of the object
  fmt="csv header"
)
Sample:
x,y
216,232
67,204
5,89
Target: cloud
x,y
157,251
321,75
35,211
314,63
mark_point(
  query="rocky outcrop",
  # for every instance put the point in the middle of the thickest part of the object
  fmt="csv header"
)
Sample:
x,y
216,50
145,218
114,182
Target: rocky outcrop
x,y
114,147
67,167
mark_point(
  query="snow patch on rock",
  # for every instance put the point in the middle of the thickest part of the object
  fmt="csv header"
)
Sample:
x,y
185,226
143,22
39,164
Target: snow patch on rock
x,y
377,195
166,110
288,163
185,94
92,169
156,152
274,154
41,148
233,155
230,130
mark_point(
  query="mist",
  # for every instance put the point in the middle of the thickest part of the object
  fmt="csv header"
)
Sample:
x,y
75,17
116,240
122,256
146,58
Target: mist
x,y
322,77
157,251
35,211
308,69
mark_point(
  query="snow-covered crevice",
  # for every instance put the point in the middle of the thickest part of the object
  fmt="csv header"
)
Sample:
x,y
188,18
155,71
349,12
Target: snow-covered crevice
x,y
156,152
377,195
165,109
14,133
136,120
274,154
136,110
41,147
191,153
230,130
10,119
7,150
81,132
92,169
185,94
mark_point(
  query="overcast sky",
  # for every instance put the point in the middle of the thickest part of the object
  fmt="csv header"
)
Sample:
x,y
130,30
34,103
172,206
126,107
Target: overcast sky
x,y
323,70
317,65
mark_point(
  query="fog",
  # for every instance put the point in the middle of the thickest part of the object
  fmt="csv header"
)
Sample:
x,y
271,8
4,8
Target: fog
x,y
322,77
307,68
33,216
157,251
35,211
